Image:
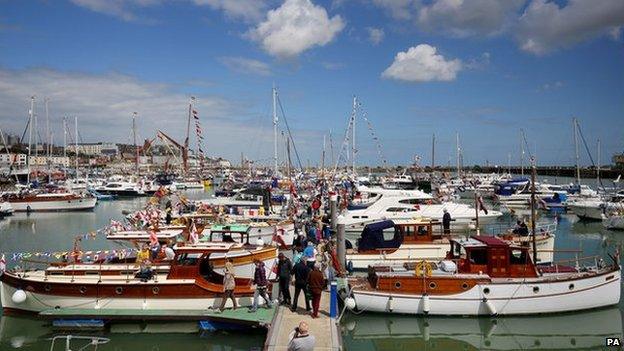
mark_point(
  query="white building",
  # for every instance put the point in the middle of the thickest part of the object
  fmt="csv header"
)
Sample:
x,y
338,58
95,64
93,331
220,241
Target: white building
x,y
13,159
95,149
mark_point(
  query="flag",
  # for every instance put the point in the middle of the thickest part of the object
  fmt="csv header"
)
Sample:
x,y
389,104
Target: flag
x,y
194,237
2,263
153,238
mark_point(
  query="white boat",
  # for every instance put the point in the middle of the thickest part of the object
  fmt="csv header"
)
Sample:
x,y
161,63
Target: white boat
x,y
44,201
486,276
388,244
402,206
121,188
614,221
5,209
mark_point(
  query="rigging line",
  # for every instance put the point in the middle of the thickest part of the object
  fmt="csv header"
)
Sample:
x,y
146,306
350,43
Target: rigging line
x,y
578,127
345,143
279,101
526,144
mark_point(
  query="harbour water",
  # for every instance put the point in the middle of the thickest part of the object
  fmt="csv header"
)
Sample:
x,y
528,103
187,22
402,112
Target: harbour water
x,y
50,232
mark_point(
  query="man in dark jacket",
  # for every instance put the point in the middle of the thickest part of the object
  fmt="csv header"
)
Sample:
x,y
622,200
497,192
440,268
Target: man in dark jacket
x,y
301,271
284,266
446,221
261,283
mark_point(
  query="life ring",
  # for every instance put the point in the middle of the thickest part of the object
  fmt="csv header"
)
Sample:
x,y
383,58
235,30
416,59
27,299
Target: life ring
x,y
423,268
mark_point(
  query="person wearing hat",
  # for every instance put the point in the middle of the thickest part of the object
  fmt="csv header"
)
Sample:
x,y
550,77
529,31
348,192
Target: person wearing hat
x,y
300,339
446,221
284,266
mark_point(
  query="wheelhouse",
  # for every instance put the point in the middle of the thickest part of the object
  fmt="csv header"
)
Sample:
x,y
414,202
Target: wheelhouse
x,y
491,256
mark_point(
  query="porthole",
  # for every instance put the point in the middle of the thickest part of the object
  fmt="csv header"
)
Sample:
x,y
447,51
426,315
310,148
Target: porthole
x,y
433,285
118,290
155,290
47,287
571,286
536,289
486,291
464,285
397,285
83,289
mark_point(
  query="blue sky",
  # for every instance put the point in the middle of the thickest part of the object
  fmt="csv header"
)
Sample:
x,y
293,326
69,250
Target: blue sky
x,y
483,68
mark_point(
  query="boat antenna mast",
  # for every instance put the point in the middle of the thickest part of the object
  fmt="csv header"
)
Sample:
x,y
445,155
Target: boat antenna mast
x,y
274,95
136,148
533,238
576,151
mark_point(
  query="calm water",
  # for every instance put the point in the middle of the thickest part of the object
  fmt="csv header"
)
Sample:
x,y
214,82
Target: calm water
x,y
586,330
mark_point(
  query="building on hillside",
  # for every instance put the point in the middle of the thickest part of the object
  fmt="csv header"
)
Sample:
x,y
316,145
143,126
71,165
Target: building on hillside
x,y
94,149
12,159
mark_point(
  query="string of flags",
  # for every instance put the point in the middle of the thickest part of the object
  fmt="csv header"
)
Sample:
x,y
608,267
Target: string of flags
x,y
198,133
94,254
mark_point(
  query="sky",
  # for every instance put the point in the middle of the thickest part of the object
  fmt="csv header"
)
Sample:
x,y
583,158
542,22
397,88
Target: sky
x,y
480,69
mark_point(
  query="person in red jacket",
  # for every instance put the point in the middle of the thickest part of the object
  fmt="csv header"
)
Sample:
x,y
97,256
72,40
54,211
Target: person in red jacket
x,y
316,283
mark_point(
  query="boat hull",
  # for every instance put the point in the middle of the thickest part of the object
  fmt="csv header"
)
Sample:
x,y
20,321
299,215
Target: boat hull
x,y
77,204
504,298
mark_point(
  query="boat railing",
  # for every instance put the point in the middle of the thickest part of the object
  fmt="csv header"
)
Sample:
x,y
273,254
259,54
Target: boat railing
x,y
504,228
94,341
587,262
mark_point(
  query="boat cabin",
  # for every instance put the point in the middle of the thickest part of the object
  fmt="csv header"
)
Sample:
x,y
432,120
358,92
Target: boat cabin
x,y
388,235
229,234
492,256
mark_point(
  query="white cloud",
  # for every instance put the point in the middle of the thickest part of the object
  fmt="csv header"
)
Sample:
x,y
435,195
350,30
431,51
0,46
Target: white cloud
x,y
123,9
422,63
399,9
375,35
462,18
245,65
250,10
295,27
545,27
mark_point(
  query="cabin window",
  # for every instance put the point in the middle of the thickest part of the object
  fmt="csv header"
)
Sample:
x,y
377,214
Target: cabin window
x,y
388,234
400,209
517,257
422,230
478,256
411,201
188,259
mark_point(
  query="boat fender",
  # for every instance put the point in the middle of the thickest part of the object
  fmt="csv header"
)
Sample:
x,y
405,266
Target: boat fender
x,y
350,266
426,304
390,305
489,306
350,325
350,303
19,296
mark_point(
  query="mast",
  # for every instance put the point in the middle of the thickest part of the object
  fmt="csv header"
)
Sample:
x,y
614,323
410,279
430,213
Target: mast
x,y
533,242
323,154
76,142
522,152
576,150
185,151
353,135
136,149
598,166
64,147
275,170
458,154
433,152
30,123
48,142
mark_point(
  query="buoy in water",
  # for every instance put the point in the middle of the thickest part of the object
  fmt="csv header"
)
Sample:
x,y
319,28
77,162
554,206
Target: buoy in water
x,y
18,297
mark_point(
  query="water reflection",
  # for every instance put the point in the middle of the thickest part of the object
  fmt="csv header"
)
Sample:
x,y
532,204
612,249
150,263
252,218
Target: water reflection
x,y
586,330
32,334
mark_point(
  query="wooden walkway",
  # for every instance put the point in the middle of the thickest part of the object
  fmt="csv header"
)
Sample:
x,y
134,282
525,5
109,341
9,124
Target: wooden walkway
x,y
324,328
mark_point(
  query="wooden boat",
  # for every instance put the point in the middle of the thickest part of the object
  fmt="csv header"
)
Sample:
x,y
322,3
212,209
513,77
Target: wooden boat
x,y
47,201
193,280
417,240
485,276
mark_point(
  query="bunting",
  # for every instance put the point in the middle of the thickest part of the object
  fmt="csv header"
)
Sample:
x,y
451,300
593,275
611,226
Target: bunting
x,y
200,137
